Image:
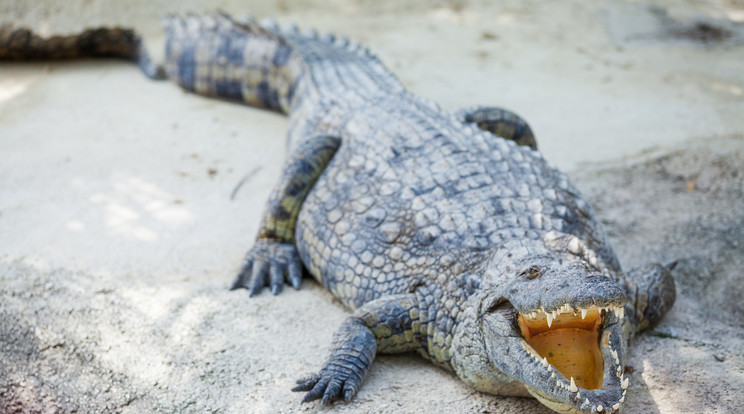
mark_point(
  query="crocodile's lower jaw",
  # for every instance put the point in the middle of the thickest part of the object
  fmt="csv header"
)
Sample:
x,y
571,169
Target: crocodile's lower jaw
x,y
557,406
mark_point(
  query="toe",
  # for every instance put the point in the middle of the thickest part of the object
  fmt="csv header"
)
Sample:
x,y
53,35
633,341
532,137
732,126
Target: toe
x,y
294,271
332,391
276,277
349,391
316,392
258,277
243,277
306,384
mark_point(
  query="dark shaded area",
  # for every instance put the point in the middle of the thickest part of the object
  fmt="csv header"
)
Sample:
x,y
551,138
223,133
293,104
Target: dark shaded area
x,y
705,32
702,32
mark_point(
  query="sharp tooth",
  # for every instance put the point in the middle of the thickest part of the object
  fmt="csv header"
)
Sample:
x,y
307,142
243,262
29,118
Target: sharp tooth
x,y
552,375
625,383
615,407
622,399
620,312
600,408
545,362
587,402
583,313
550,319
574,388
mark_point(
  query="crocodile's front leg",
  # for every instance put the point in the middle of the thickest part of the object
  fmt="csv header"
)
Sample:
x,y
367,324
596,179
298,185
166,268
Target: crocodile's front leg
x,y
651,293
274,257
389,325
501,122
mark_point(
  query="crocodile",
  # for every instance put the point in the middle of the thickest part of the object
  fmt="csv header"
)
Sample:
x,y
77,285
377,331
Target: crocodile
x,y
446,234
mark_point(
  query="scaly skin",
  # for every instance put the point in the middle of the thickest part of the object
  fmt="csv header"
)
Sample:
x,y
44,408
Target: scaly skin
x,y
443,232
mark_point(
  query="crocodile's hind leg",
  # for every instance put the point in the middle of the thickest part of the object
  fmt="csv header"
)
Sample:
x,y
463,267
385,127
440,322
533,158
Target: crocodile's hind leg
x,y
274,257
501,122
389,324
651,293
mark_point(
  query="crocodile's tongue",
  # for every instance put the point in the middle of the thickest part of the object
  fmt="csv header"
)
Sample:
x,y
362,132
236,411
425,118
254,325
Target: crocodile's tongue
x,y
570,344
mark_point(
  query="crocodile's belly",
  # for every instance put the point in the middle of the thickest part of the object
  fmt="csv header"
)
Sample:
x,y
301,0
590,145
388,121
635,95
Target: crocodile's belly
x,y
386,216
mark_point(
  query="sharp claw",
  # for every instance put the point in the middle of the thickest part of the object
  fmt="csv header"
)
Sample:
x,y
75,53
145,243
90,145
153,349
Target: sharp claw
x,y
310,396
275,289
326,399
255,290
348,394
296,282
236,284
307,398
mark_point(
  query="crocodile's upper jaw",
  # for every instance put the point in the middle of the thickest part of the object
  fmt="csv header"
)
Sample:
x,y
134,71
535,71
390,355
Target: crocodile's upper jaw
x,y
580,353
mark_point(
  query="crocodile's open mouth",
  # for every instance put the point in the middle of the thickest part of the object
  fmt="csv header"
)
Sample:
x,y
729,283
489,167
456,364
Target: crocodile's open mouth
x,y
569,340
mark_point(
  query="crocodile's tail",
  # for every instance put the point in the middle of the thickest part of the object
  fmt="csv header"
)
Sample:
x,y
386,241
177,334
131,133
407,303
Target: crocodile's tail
x,y
24,45
215,55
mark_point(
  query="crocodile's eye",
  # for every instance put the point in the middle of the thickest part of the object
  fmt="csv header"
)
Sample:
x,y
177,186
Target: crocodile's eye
x,y
532,272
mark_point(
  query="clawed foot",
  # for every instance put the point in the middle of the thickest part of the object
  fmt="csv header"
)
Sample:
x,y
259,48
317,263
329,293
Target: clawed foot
x,y
269,263
333,383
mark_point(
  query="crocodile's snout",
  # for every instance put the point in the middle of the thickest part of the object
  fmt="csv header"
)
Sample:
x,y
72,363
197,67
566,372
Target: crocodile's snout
x,y
563,286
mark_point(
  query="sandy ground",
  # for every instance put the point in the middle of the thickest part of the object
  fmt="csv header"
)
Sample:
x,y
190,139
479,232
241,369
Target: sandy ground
x,y
120,230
